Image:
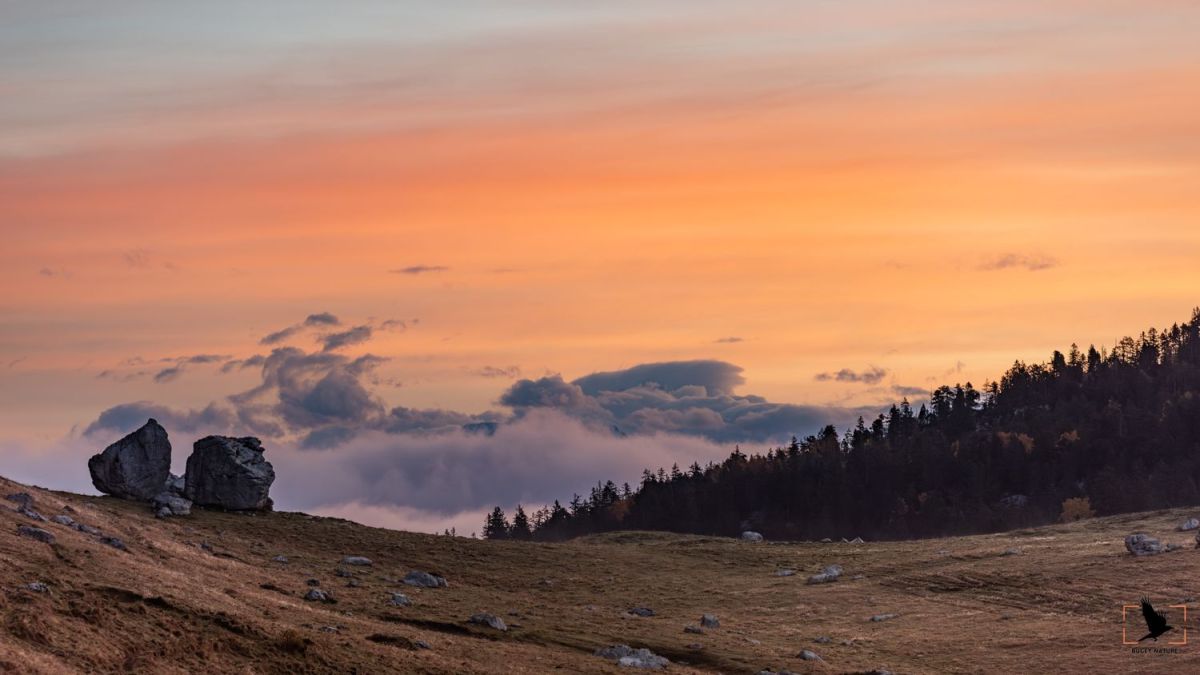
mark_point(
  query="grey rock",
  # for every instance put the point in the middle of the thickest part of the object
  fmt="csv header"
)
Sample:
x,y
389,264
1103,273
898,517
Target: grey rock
x,y
175,504
421,644
710,621
489,620
352,583
628,657
280,559
809,655
230,473
31,514
1011,551
318,595
1140,544
697,630
38,533
114,542
162,512
823,640
86,529
641,611
1014,501
38,587
425,580
751,536
313,582
63,520
174,484
883,617
330,629
830,573
785,573
857,540
23,499
826,540
695,645
357,560
343,573
1189,524
135,467
400,600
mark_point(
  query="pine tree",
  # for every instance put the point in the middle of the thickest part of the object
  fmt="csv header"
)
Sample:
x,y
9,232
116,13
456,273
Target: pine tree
x,y
496,525
520,529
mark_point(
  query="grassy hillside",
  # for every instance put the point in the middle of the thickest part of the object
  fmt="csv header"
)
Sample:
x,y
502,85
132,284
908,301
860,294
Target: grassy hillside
x,y
169,605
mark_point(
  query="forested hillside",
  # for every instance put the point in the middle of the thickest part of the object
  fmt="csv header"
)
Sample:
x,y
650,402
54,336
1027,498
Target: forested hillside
x,y
1089,432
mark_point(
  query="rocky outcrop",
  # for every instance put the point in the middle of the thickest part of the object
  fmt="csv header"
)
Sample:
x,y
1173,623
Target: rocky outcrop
x,y
135,467
425,580
826,575
230,473
629,657
490,620
751,536
169,504
1189,524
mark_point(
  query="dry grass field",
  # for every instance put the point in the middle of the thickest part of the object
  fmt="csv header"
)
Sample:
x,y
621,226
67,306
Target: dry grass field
x,y
969,604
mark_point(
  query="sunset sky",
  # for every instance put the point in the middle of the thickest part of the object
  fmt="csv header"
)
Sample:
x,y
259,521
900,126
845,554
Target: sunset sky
x,y
850,202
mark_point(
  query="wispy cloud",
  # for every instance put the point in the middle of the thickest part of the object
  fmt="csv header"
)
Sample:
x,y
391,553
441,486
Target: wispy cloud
x,y
420,269
1034,262
728,340
873,375
510,372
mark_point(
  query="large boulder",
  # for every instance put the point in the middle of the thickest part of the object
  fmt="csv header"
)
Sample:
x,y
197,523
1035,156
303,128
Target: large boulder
x,y
136,466
230,473
1141,544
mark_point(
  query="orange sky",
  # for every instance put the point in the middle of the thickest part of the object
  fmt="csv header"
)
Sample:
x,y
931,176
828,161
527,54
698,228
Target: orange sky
x,y
932,190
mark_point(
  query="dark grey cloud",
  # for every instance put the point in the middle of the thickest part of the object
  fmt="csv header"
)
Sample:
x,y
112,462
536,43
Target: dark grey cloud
x,y
241,364
872,375
168,374
1034,262
346,338
126,417
318,320
717,377
420,269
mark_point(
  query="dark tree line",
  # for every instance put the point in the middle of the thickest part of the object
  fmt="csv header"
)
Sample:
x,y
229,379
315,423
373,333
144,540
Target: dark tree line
x,y
1099,432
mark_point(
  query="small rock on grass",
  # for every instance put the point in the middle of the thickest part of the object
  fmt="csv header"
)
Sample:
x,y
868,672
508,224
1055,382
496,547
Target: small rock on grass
x,y
357,560
400,600
490,620
318,595
883,617
809,655
425,580
37,587
37,533
641,611
710,621
628,657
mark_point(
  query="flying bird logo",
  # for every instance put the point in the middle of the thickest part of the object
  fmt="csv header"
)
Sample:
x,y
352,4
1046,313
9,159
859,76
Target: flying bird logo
x,y
1156,623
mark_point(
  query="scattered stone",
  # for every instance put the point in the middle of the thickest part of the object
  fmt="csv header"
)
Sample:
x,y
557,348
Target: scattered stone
x,y
318,595
489,620
695,646
693,629
114,542
785,573
63,520
628,657
36,533
330,629
357,560
38,587
352,583
830,573
1140,544
205,546
31,514
710,621
172,504
313,582
1011,551
641,611
809,655
400,600
421,644
883,617
280,559
86,529
857,540
1189,524
343,572
858,577
823,640
174,484
748,535
135,467
425,580
21,498
826,540
1015,501
1172,547
230,473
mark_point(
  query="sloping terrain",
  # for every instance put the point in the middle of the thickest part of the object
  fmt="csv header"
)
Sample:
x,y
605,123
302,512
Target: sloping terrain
x,y
202,594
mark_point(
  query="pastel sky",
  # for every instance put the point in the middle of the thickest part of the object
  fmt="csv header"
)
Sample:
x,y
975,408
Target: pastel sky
x,y
850,201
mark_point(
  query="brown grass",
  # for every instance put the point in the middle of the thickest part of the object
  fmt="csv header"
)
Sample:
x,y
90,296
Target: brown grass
x,y
168,606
